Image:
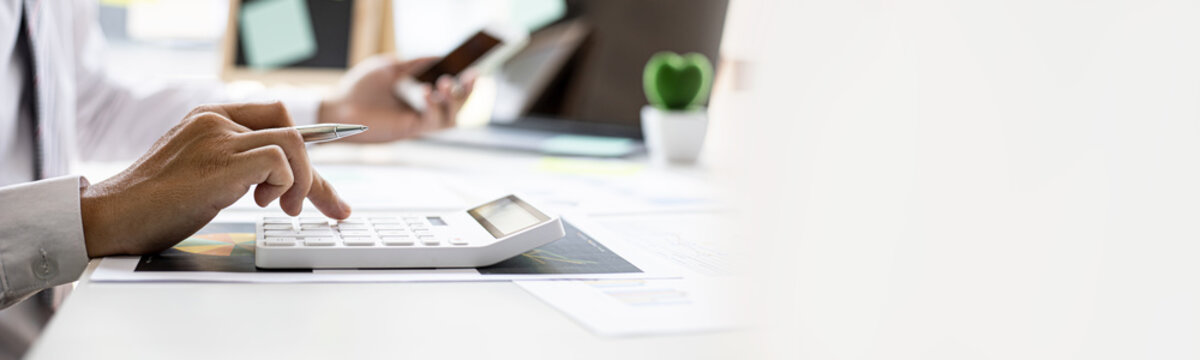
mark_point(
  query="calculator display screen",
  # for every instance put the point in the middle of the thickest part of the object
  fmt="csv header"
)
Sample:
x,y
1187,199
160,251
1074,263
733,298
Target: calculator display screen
x,y
507,216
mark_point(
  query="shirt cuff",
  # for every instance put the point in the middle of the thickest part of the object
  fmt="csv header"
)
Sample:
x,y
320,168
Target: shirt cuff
x,y
302,106
41,237
302,103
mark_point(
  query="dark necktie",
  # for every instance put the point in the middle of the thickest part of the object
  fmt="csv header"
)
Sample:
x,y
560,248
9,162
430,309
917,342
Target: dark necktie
x,y
29,94
34,313
30,98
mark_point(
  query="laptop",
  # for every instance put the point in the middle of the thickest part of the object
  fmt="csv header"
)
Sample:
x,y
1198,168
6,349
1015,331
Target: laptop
x,y
576,89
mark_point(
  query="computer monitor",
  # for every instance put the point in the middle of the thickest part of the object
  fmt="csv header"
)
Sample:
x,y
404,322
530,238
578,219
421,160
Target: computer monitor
x,y
583,73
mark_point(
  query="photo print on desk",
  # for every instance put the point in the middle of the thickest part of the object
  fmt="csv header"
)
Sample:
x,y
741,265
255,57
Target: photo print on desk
x,y
220,247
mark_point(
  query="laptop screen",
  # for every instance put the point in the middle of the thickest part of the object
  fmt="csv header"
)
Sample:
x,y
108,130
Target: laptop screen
x,y
586,69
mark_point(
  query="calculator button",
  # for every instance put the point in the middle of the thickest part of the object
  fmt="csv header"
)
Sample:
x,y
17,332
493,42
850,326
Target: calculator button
x,y
352,226
358,241
392,232
313,226
301,233
353,221
397,240
279,242
311,233
356,233
411,218
278,219
287,226
385,220
429,240
458,241
313,220
326,241
389,227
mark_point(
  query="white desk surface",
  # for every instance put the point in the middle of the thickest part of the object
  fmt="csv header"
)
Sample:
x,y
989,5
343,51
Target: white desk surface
x,y
359,321
338,321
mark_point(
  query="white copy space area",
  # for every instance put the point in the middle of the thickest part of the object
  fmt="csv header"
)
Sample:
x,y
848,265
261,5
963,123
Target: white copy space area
x,y
999,180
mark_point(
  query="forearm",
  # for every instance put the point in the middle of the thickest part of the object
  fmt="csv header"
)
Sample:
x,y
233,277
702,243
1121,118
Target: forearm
x,y
41,237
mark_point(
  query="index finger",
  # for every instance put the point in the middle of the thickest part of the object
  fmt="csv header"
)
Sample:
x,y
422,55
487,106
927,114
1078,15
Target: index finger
x,y
322,195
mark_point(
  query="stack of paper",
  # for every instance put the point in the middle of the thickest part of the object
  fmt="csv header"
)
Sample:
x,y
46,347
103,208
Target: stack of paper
x,y
641,306
699,301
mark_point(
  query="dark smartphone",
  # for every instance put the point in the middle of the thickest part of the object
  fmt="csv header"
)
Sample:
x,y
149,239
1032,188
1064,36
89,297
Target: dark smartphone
x,y
461,58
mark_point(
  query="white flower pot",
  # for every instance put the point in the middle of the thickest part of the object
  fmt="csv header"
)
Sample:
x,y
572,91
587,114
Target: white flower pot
x,y
674,136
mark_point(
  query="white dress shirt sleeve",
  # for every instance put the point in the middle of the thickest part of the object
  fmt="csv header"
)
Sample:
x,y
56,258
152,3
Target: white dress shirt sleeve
x,y
41,237
302,104
119,121
41,231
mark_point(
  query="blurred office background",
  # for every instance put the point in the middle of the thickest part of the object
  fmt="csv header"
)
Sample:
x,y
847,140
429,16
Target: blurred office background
x,y
157,40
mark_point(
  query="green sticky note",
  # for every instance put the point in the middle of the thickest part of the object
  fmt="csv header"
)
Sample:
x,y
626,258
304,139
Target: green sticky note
x,y
276,33
534,14
587,145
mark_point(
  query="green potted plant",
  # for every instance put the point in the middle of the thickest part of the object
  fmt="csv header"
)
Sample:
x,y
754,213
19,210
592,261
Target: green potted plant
x,y
675,122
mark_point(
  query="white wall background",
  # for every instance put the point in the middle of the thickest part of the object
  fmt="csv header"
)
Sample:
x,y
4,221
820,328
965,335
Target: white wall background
x,y
1015,179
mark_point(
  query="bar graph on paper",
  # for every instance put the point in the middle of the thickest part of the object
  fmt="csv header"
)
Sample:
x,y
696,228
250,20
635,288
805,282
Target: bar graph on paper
x,y
637,292
623,307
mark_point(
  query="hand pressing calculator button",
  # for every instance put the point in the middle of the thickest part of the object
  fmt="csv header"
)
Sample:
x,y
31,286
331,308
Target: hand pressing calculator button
x,y
474,237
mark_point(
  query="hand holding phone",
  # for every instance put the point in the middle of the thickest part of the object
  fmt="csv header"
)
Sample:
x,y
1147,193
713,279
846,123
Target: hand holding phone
x,y
482,52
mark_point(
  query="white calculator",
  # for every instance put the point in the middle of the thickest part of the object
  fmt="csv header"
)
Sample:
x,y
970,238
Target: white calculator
x,y
479,236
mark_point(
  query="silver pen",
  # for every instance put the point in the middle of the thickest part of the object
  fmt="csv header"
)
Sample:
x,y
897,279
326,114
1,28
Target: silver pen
x,y
320,133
